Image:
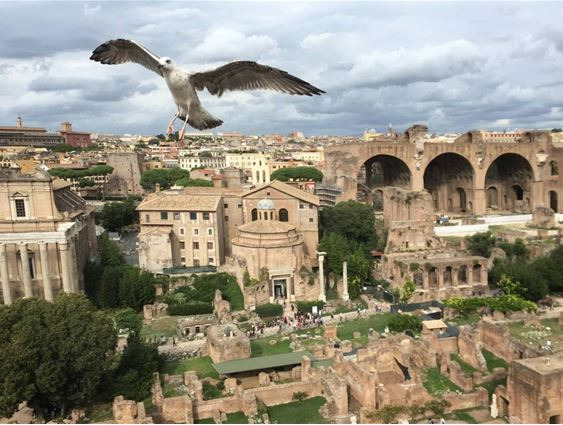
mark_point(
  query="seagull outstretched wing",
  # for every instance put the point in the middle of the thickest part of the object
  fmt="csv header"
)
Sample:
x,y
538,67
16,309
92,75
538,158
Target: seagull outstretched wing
x,y
246,75
118,51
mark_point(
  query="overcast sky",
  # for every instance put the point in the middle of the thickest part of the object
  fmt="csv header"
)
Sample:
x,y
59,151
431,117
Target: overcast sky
x,y
453,66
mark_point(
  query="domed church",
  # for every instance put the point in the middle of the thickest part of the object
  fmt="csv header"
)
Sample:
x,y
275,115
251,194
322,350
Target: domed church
x,y
274,252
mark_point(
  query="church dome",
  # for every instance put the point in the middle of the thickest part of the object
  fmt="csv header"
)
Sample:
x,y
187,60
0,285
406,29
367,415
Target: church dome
x,y
266,204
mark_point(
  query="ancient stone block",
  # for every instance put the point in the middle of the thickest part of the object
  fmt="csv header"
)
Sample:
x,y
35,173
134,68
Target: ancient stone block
x,y
227,342
330,331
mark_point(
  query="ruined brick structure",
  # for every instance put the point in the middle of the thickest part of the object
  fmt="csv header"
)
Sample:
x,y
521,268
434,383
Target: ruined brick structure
x,y
468,175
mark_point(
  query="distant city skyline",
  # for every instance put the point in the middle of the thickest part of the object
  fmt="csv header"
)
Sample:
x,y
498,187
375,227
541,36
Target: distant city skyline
x,y
452,66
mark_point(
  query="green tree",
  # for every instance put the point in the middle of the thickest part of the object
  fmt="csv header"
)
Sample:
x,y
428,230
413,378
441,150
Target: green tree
x,y
62,148
109,252
404,322
128,319
407,291
509,286
353,220
165,177
297,174
134,376
117,215
481,244
53,354
107,295
533,285
136,288
186,181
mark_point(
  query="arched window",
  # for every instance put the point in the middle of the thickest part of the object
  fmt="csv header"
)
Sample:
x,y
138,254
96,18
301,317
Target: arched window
x,y
254,214
284,216
271,215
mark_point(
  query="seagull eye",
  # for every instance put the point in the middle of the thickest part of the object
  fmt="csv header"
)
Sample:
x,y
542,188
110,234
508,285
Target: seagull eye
x,y
167,60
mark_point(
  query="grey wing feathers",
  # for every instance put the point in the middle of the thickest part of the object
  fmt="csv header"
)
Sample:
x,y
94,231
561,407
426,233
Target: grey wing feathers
x,y
118,51
246,75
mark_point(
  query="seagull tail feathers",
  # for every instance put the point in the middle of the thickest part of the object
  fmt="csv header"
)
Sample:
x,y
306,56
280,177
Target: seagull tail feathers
x,y
200,119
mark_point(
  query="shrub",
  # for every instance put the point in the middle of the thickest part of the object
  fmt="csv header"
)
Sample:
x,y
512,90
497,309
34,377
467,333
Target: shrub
x,y
189,309
404,322
211,391
307,306
269,310
299,396
504,303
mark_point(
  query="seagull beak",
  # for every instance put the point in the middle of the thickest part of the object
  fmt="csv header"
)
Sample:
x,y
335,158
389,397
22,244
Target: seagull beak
x,y
160,66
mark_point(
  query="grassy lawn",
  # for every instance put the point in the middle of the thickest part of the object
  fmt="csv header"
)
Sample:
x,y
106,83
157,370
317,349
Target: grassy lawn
x,y
99,412
236,418
493,361
202,365
436,383
465,417
535,337
298,412
261,346
466,368
205,421
377,322
469,320
164,326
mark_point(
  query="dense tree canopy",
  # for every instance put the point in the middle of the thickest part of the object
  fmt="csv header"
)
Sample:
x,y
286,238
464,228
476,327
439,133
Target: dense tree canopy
x,y
53,354
187,181
297,174
112,283
67,173
481,244
166,177
117,215
353,220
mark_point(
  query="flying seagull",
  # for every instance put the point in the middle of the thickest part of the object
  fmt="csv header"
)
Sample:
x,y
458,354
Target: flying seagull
x,y
184,85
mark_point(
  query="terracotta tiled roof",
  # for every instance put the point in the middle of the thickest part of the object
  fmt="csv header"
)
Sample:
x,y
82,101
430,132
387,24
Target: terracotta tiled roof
x,y
288,189
173,201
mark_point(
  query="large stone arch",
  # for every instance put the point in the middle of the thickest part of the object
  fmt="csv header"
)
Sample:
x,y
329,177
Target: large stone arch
x,y
450,179
512,176
380,171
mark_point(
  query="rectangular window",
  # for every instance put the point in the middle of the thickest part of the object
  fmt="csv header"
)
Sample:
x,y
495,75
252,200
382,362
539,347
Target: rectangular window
x,y
310,206
182,245
20,208
311,220
183,260
226,218
210,232
211,260
176,216
206,216
240,205
181,230
225,205
196,262
147,218
301,206
193,216
164,216
209,245
196,245
196,232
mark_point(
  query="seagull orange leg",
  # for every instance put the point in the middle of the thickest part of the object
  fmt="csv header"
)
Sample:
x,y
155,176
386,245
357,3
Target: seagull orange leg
x,y
170,128
183,130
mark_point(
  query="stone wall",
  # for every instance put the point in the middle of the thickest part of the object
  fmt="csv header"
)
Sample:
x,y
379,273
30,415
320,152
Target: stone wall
x,y
470,349
227,342
479,398
129,412
495,337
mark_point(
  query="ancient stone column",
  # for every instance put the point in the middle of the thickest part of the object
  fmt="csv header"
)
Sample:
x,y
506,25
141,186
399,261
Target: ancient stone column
x,y
65,266
345,296
440,273
26,273
288,288
322,296
6,290
74,267
47,288
455,276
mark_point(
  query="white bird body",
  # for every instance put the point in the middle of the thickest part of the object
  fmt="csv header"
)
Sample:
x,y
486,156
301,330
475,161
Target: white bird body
x,y
239,75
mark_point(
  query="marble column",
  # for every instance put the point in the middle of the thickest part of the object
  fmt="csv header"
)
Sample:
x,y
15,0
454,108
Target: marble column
x,y
45,273
6,290
288,288
26,273
65,266
345,295
73,266
455,276
322,295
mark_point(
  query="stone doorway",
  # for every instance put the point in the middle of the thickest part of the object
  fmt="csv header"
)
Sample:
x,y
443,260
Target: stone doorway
x,y
555,419
280,288
553,200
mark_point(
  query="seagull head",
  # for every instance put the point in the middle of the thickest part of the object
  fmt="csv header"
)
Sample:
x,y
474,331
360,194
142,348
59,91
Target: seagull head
x,y
165,63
